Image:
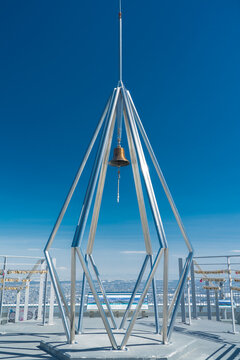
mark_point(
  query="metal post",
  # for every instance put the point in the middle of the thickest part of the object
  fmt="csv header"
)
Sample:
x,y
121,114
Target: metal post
x,y
25,312
81,309
96,297
193,288
155,299
231,295
51,299
57,293
208,302
183,310
73,295
17,306
165,297
120,41
182,283
4,270
140,302
95,269
40,297
217,306
189,302
45,296
139,279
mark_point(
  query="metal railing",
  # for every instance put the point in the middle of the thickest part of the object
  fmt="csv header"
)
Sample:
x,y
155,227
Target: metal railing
x,y
21,281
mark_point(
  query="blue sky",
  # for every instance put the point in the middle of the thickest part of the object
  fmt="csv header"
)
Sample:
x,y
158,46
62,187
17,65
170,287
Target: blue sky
x,y
58,66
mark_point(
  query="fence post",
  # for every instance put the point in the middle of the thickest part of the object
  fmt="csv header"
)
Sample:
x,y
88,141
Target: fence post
x,y
183,311
51,299
4,270
40,297
17,306
193,287
25,313
217,306
208,302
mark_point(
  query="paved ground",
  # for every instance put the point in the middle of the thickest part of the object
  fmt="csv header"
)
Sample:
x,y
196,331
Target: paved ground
x,y
203,340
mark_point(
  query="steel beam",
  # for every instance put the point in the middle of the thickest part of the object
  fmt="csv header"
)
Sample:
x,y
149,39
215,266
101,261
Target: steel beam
x,y
73,295
81,309
138,187
165,297
95,172
76,179
96,297
58,296
139,279
160,175
145,172
95,269
140,302
180,291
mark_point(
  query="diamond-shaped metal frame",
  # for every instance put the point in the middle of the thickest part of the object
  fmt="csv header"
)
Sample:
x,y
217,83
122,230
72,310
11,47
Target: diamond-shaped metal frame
x,y
132,125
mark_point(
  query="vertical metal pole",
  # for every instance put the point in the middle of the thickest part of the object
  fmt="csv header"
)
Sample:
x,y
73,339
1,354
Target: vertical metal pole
x,y
40,297
231,295
73,295
25,312
17,305
4,270
179,292
51,299
183,311
155,299
81,309
193,285
45,296
208,302
120,41
217,306
189,302
165,297
139,279
58,296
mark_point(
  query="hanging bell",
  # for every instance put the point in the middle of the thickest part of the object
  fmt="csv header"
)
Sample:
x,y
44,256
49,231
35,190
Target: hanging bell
x,y
119,159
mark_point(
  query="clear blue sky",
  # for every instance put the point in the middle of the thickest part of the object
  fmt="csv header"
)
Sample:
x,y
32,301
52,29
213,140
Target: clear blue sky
x,y
59,64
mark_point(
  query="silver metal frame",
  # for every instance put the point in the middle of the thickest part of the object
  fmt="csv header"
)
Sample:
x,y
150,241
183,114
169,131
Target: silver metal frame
x,y
97,179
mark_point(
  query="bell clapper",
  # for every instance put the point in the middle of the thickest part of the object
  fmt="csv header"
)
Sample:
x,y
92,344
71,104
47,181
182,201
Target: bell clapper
x,y
118,185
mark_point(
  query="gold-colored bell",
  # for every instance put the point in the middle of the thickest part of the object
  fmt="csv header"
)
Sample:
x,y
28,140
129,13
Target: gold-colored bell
x,y
119,159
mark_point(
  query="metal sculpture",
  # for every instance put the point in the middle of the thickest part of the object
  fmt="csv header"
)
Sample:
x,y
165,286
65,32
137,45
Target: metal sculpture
x,y
119,106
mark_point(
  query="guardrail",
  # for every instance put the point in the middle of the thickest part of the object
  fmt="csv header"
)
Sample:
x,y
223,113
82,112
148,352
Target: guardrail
x,y
17,278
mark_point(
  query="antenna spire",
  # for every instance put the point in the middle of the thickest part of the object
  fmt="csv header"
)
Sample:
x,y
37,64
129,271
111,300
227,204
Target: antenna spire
x,y
120,40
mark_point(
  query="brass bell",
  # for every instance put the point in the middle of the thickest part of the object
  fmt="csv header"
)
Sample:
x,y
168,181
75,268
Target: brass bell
x,y
119,159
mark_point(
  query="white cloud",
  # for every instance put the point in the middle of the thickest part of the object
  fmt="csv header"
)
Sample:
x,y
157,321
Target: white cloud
x,y
34,249
235,251
61,268
133,252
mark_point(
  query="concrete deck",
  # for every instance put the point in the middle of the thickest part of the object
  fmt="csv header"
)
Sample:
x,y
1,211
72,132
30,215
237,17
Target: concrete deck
x,y
203,340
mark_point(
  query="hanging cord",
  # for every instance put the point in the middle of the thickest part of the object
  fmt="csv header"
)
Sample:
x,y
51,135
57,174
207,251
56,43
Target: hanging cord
x,y
118,184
